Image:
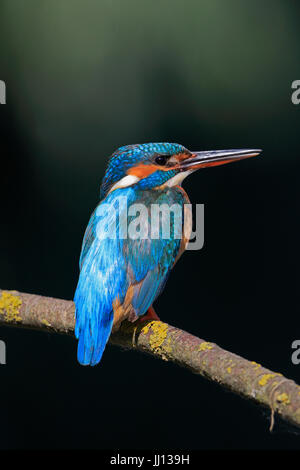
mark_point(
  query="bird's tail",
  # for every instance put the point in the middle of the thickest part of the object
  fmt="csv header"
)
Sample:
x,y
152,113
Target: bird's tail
x,y
93,323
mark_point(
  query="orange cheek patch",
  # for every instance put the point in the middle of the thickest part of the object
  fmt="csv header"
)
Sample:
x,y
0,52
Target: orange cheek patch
x,y
142,171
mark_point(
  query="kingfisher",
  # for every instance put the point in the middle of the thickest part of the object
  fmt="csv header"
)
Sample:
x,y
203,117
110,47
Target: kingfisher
x,y
122,274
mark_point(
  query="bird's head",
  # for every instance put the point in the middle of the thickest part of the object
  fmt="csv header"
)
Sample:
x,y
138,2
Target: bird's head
x,y
155,165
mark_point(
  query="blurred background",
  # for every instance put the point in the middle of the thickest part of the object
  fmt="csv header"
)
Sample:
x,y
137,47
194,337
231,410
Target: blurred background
x,y
84,78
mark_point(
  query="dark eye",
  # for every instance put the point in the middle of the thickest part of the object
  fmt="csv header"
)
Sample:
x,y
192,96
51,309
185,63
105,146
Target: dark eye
x,y
161,160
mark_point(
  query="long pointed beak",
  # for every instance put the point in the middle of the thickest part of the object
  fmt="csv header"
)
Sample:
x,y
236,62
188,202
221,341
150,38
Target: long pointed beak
x,y
216,157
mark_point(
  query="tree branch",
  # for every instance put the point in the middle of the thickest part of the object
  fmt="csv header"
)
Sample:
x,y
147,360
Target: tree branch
x,y
248,379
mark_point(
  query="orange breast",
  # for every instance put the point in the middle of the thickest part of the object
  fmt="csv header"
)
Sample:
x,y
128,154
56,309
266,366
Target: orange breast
x,y
187,227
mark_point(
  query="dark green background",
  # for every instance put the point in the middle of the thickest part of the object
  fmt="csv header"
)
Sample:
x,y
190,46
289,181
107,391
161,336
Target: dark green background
x,y
85,77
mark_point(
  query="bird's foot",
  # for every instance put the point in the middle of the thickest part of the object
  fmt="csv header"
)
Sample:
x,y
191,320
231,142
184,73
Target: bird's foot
x,y
150,315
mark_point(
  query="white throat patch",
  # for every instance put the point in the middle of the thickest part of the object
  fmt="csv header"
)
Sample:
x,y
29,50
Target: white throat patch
x,y
177,179
128,180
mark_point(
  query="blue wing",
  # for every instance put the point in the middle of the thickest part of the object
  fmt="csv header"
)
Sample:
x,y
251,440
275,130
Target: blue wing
x,y
110,264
